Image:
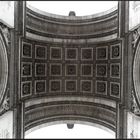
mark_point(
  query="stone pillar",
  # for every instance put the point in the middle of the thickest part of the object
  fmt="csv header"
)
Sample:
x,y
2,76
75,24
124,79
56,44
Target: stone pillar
x,y
121,131
125,105
20,8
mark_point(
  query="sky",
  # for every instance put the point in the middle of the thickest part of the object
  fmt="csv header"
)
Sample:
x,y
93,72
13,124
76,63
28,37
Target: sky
x,y
81,8
61,131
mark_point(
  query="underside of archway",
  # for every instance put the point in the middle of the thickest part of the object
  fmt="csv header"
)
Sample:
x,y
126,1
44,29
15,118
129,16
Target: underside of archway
x,y
70,69
42,111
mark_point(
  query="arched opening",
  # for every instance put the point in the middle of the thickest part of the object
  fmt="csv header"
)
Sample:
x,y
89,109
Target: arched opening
x,y
3,64
81,8
60,129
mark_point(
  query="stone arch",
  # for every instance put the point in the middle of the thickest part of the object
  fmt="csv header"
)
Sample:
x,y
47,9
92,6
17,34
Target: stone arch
x,y
136,69
48,111
3,66
94,124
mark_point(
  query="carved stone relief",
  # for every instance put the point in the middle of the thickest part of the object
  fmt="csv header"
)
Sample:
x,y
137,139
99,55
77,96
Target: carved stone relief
x,y
5,32
136,67
134,106
135,36
4,38
5,104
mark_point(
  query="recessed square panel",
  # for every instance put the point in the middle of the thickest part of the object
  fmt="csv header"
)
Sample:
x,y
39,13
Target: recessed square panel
x,y
40,69
101,87
101,70
115,89
56,69
71,53
26,68
101,53
55,86
55,53
86,69
115,70
115,51
71,69
26,50
86,86
26,88
40,86
86,54
40,52
71,85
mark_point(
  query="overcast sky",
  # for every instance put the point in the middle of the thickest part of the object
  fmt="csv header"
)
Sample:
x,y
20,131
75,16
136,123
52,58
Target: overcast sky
x,y
81,8
79,131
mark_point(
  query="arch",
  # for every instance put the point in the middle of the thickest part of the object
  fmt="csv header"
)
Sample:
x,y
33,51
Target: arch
x,y
41,62
136,70
50,27
53,111
62,17
72,122
53,96
3,66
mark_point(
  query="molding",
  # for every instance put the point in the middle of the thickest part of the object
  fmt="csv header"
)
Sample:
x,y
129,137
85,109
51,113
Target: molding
x,y
37,37
134,106
98,100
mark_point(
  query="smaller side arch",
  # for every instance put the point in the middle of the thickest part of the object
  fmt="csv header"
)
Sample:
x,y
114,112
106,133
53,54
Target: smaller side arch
x,y
136,71
3,66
